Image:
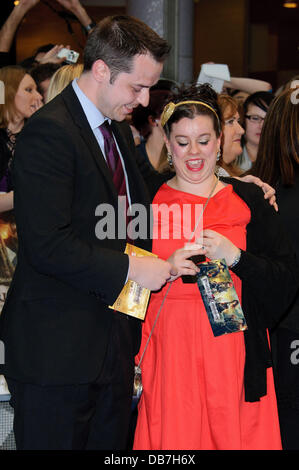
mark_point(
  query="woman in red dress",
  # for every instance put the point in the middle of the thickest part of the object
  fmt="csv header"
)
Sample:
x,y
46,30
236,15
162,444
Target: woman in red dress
x,y
202,391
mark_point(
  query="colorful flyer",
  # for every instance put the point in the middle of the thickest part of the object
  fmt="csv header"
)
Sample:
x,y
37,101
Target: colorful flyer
x,y
220,298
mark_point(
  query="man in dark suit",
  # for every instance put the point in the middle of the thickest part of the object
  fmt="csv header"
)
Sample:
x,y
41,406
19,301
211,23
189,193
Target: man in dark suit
x,y
69,359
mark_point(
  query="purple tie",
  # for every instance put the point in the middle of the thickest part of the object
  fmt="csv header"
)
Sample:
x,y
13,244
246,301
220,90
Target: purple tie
x,y
113,159
115,166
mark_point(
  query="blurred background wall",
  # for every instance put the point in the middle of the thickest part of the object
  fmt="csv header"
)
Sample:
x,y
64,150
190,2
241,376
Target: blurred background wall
x,y
255,38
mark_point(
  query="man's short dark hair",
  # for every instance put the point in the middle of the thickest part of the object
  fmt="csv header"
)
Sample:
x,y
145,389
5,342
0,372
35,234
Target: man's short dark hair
x,y
117,39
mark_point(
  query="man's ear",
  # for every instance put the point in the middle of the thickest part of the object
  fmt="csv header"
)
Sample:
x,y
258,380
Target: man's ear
x,y
100,71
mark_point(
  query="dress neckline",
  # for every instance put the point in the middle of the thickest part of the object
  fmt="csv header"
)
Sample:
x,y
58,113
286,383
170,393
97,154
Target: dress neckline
x,y
166,186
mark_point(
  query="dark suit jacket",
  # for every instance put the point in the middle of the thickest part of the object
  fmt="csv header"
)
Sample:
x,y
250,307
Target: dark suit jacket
x,y
56,319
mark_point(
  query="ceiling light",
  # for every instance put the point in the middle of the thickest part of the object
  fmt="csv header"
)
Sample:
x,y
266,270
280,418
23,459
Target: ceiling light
x,y
290,4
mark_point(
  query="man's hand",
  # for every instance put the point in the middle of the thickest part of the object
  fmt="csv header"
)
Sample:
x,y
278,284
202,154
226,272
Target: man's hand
x,y
150,272
185,267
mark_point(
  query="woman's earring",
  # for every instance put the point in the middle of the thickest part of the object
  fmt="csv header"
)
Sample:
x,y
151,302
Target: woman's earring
x,y
169,159
218,155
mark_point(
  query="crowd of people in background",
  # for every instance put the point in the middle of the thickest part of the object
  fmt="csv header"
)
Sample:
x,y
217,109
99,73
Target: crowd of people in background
x,y
258,140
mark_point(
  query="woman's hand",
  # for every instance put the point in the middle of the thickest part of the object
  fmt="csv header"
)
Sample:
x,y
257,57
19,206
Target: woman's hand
x,y
179,259
51,55
216,246
268,190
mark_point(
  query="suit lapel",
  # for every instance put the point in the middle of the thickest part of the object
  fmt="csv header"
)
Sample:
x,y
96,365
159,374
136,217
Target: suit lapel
x,y
138,190
78,115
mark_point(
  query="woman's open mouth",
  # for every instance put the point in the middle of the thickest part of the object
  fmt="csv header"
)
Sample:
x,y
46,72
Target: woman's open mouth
x,y
195,164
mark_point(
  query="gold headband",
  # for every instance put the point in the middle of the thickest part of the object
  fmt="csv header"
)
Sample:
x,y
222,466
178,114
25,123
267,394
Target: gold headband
x,y
170,107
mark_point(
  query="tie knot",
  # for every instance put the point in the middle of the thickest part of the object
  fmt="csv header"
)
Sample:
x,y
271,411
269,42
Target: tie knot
x,y
105,128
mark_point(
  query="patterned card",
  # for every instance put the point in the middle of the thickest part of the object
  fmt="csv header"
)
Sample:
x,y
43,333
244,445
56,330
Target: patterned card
x,y
220,298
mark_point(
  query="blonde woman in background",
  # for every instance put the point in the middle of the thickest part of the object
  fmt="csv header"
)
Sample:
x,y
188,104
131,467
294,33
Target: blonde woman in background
x,y
61,78
21,100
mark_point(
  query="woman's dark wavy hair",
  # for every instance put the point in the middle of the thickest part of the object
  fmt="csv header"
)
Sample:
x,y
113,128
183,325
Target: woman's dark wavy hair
x,y
195,92
117,39
278,152
261,99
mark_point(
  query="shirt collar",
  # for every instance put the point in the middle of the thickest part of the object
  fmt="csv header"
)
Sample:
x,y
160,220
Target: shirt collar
x,y
94,116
